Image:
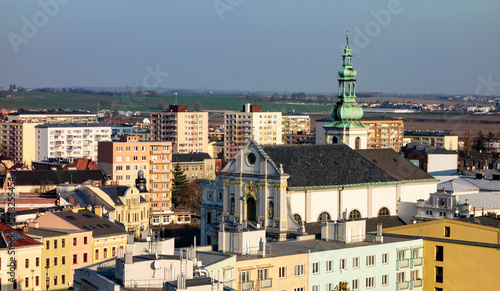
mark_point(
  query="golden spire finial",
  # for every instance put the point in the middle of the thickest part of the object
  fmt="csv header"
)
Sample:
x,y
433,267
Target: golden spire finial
x,y
347,36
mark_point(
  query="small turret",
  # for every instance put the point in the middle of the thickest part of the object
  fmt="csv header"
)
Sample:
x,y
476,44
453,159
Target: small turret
x,y
140,182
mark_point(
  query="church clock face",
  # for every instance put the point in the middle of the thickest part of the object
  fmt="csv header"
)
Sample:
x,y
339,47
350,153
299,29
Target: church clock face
x,y
251,158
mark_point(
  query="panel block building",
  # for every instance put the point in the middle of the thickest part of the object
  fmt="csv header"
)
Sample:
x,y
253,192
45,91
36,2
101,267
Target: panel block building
x,y
187,131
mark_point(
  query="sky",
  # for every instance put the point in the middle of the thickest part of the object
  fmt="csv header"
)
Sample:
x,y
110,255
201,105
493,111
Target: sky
x,y
399,46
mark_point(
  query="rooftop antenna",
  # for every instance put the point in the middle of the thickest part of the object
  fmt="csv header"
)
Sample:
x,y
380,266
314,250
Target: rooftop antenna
x,y
175,95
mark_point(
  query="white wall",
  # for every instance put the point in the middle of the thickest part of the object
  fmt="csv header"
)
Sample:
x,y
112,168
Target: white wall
x,y
442,165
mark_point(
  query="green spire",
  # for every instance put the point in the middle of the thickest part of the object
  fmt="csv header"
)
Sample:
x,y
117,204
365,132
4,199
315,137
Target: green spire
x,y
346,112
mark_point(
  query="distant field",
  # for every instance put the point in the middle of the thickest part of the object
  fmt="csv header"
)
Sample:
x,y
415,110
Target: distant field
x,y
42,100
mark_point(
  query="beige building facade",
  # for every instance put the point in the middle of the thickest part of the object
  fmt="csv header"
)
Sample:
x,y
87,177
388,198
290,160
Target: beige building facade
x,y
124,159
187,131
17,141
438,139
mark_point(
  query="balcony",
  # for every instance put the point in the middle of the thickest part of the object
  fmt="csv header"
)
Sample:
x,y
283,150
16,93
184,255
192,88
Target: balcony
x,y
402,285
402,264
417,262
245,285
160,181
160,162
159,152
267,283
416,283
157,171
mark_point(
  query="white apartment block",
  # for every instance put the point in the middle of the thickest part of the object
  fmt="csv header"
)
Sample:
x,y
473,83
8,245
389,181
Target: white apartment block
x,y
295,123
250,124
187,131
73,140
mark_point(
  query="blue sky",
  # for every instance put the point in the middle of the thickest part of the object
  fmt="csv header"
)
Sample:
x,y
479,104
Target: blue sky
x,y
398,46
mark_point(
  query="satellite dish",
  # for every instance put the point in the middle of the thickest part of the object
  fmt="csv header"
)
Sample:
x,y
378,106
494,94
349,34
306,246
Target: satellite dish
x,y
156,265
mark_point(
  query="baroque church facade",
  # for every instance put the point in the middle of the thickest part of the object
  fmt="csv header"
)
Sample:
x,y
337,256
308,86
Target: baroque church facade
x,y
280,188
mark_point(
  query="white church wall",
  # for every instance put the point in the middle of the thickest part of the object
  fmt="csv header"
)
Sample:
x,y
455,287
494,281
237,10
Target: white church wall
x,y
414,191
323,201
383,197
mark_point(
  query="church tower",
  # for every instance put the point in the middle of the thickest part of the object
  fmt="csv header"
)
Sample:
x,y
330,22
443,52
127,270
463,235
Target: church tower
x,y
346,113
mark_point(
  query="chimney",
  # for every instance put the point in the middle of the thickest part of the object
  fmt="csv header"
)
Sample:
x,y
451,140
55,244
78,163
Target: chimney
x,y
479,176
128,258
495,177
72,200
379,238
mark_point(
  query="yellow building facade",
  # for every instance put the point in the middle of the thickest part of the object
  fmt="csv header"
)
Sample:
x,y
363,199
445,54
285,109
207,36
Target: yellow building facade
x,y
272,273
457,255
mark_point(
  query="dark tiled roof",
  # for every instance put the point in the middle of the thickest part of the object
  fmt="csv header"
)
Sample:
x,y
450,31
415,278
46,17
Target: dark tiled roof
x,y
86,220
21,240
43,232
191,157
394,164
483,220
50,177
325,165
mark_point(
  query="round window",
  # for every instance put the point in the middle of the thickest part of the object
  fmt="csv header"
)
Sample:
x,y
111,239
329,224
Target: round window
x,y
251,158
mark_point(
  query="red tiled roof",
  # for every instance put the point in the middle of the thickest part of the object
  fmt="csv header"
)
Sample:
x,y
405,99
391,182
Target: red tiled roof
x,y
20,239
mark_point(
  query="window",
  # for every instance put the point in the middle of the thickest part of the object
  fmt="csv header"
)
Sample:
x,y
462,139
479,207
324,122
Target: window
x,y
329,286
119,158
262,274
244,276
439,253
355,284
298,289
355,214
385,279
414,275
299,270
315,288
37,281
47,245
26,282
27,263
63,243
447,231
438,289
329,266
342,264
85,240
355,262
315,268
55,280
282,272
63,279
401,255
55,244
113,251
400,277
385,258
119,149
75,259
297,218
74,241
370,260
105,253
383,212
47,262
96,254
370,282
414,253
55,261
63,260
85,257
37,262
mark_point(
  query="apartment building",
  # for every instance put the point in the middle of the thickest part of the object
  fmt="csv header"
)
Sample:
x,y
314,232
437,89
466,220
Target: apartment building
x,y
16,141
295,123
440,139
250,124
382,132
74,140
53,116
458,255
24,254
187,131
198,165
124,159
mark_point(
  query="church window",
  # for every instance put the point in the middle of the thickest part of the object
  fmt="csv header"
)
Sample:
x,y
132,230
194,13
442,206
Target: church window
x,y
357,143
232,206
271,210
324,214
297,218
354,214
383,212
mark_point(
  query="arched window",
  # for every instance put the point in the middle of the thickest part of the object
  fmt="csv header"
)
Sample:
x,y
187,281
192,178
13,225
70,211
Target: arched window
x,y
320,217
297,218
335,139
231,211
384,212
354,214
357,143
270,210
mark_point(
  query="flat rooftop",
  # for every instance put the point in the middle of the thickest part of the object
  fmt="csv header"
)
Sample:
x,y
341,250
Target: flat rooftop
x,y
428,133
286,248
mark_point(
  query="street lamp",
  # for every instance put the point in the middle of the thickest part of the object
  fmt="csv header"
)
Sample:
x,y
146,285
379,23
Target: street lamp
x,y
47,279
